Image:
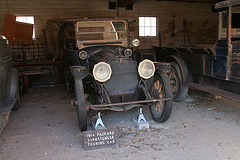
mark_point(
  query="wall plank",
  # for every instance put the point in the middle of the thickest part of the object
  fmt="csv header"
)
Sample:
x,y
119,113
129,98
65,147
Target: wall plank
x,y
201,21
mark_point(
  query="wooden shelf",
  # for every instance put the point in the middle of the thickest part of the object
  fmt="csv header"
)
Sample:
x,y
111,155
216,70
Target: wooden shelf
x,y
38,63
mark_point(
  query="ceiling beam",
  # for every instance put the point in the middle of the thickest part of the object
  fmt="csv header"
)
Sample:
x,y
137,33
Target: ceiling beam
x,y
194,1
124,3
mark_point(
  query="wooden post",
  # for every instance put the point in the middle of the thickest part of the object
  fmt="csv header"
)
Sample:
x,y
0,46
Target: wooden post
x,y
117,14
229,57
220,25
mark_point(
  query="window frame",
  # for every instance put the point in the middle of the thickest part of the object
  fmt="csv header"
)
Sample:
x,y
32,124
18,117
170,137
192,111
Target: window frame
x,y
145,36
34,27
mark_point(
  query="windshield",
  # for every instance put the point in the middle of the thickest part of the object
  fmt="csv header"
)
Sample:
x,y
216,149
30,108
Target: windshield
x,y
101,30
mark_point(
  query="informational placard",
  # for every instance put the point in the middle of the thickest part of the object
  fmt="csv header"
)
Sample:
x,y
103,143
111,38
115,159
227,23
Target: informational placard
x,y
99,139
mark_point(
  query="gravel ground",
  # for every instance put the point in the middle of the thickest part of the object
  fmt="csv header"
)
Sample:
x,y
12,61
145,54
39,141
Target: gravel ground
x,y
45,127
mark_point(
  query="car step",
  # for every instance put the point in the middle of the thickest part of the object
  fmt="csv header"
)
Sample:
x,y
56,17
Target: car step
x,y
215,91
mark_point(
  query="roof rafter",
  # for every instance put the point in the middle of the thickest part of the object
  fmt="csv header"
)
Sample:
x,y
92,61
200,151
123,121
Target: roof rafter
x,y
124,3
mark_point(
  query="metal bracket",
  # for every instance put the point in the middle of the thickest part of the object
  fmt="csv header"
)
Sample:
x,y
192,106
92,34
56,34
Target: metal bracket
x,y
99,124
141,122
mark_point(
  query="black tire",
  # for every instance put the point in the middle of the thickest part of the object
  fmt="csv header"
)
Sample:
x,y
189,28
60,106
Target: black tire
x,y
161,111
82,117
81,111
180,91
67,74
70,82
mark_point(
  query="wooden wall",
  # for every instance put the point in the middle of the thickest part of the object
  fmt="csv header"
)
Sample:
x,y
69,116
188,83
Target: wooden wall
x,y
201,22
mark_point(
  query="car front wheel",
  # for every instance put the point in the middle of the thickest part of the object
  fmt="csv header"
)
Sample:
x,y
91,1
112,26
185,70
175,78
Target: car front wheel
x,y
81,111
82,117
161,110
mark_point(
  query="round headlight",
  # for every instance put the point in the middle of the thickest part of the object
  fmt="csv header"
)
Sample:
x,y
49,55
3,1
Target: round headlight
x,y
146,69
102,71
135,43
83,55
128,52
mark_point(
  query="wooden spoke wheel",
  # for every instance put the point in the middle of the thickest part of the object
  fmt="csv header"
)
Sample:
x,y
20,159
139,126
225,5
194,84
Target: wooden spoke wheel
x,y
161,110
157,92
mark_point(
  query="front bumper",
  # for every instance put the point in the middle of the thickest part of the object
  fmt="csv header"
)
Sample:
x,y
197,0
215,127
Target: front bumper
x,y
128,103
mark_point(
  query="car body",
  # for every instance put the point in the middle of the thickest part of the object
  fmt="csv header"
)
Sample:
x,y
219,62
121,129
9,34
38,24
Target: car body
x,y
8,82
105,77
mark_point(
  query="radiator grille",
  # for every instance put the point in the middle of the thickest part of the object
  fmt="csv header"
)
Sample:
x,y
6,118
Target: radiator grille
x,y
124,77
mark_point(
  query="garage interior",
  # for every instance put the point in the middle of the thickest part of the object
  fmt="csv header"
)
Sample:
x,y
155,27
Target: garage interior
x,y
205,125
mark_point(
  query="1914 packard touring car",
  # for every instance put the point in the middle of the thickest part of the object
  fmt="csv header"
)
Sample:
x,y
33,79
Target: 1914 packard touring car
x,y
106,78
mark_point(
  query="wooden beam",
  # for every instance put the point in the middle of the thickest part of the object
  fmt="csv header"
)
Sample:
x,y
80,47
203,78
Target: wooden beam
x,y
194,1
124,3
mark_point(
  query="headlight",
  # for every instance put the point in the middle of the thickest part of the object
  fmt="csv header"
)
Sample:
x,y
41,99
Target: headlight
x,y
83,55
102,71
128,52
146,69
135,43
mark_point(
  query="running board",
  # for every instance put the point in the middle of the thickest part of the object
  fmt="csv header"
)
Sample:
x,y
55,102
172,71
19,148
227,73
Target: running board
x,y
215,91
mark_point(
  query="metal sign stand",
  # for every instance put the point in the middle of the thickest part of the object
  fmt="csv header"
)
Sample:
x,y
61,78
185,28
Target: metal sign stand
x,y
99,123
101,137
141,122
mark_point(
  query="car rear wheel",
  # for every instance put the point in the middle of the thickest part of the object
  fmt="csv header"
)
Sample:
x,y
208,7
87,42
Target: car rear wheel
x,y
161,111
179,90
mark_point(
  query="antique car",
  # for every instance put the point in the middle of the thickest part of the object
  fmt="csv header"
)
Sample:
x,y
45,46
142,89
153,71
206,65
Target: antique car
x,y
106,78
8,82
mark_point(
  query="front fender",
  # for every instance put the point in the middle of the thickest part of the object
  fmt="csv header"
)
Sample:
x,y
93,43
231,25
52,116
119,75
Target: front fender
x,y
79,72
186,75
163,67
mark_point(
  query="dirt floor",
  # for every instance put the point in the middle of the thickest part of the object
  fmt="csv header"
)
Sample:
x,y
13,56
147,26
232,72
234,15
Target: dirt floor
x,y
45,127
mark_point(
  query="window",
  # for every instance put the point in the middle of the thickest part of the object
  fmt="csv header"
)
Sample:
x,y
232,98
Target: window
x,y
27,19
148,26
235,20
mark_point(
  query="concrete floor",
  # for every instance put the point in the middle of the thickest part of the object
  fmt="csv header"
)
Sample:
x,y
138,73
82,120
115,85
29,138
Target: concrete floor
x,y
45,127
